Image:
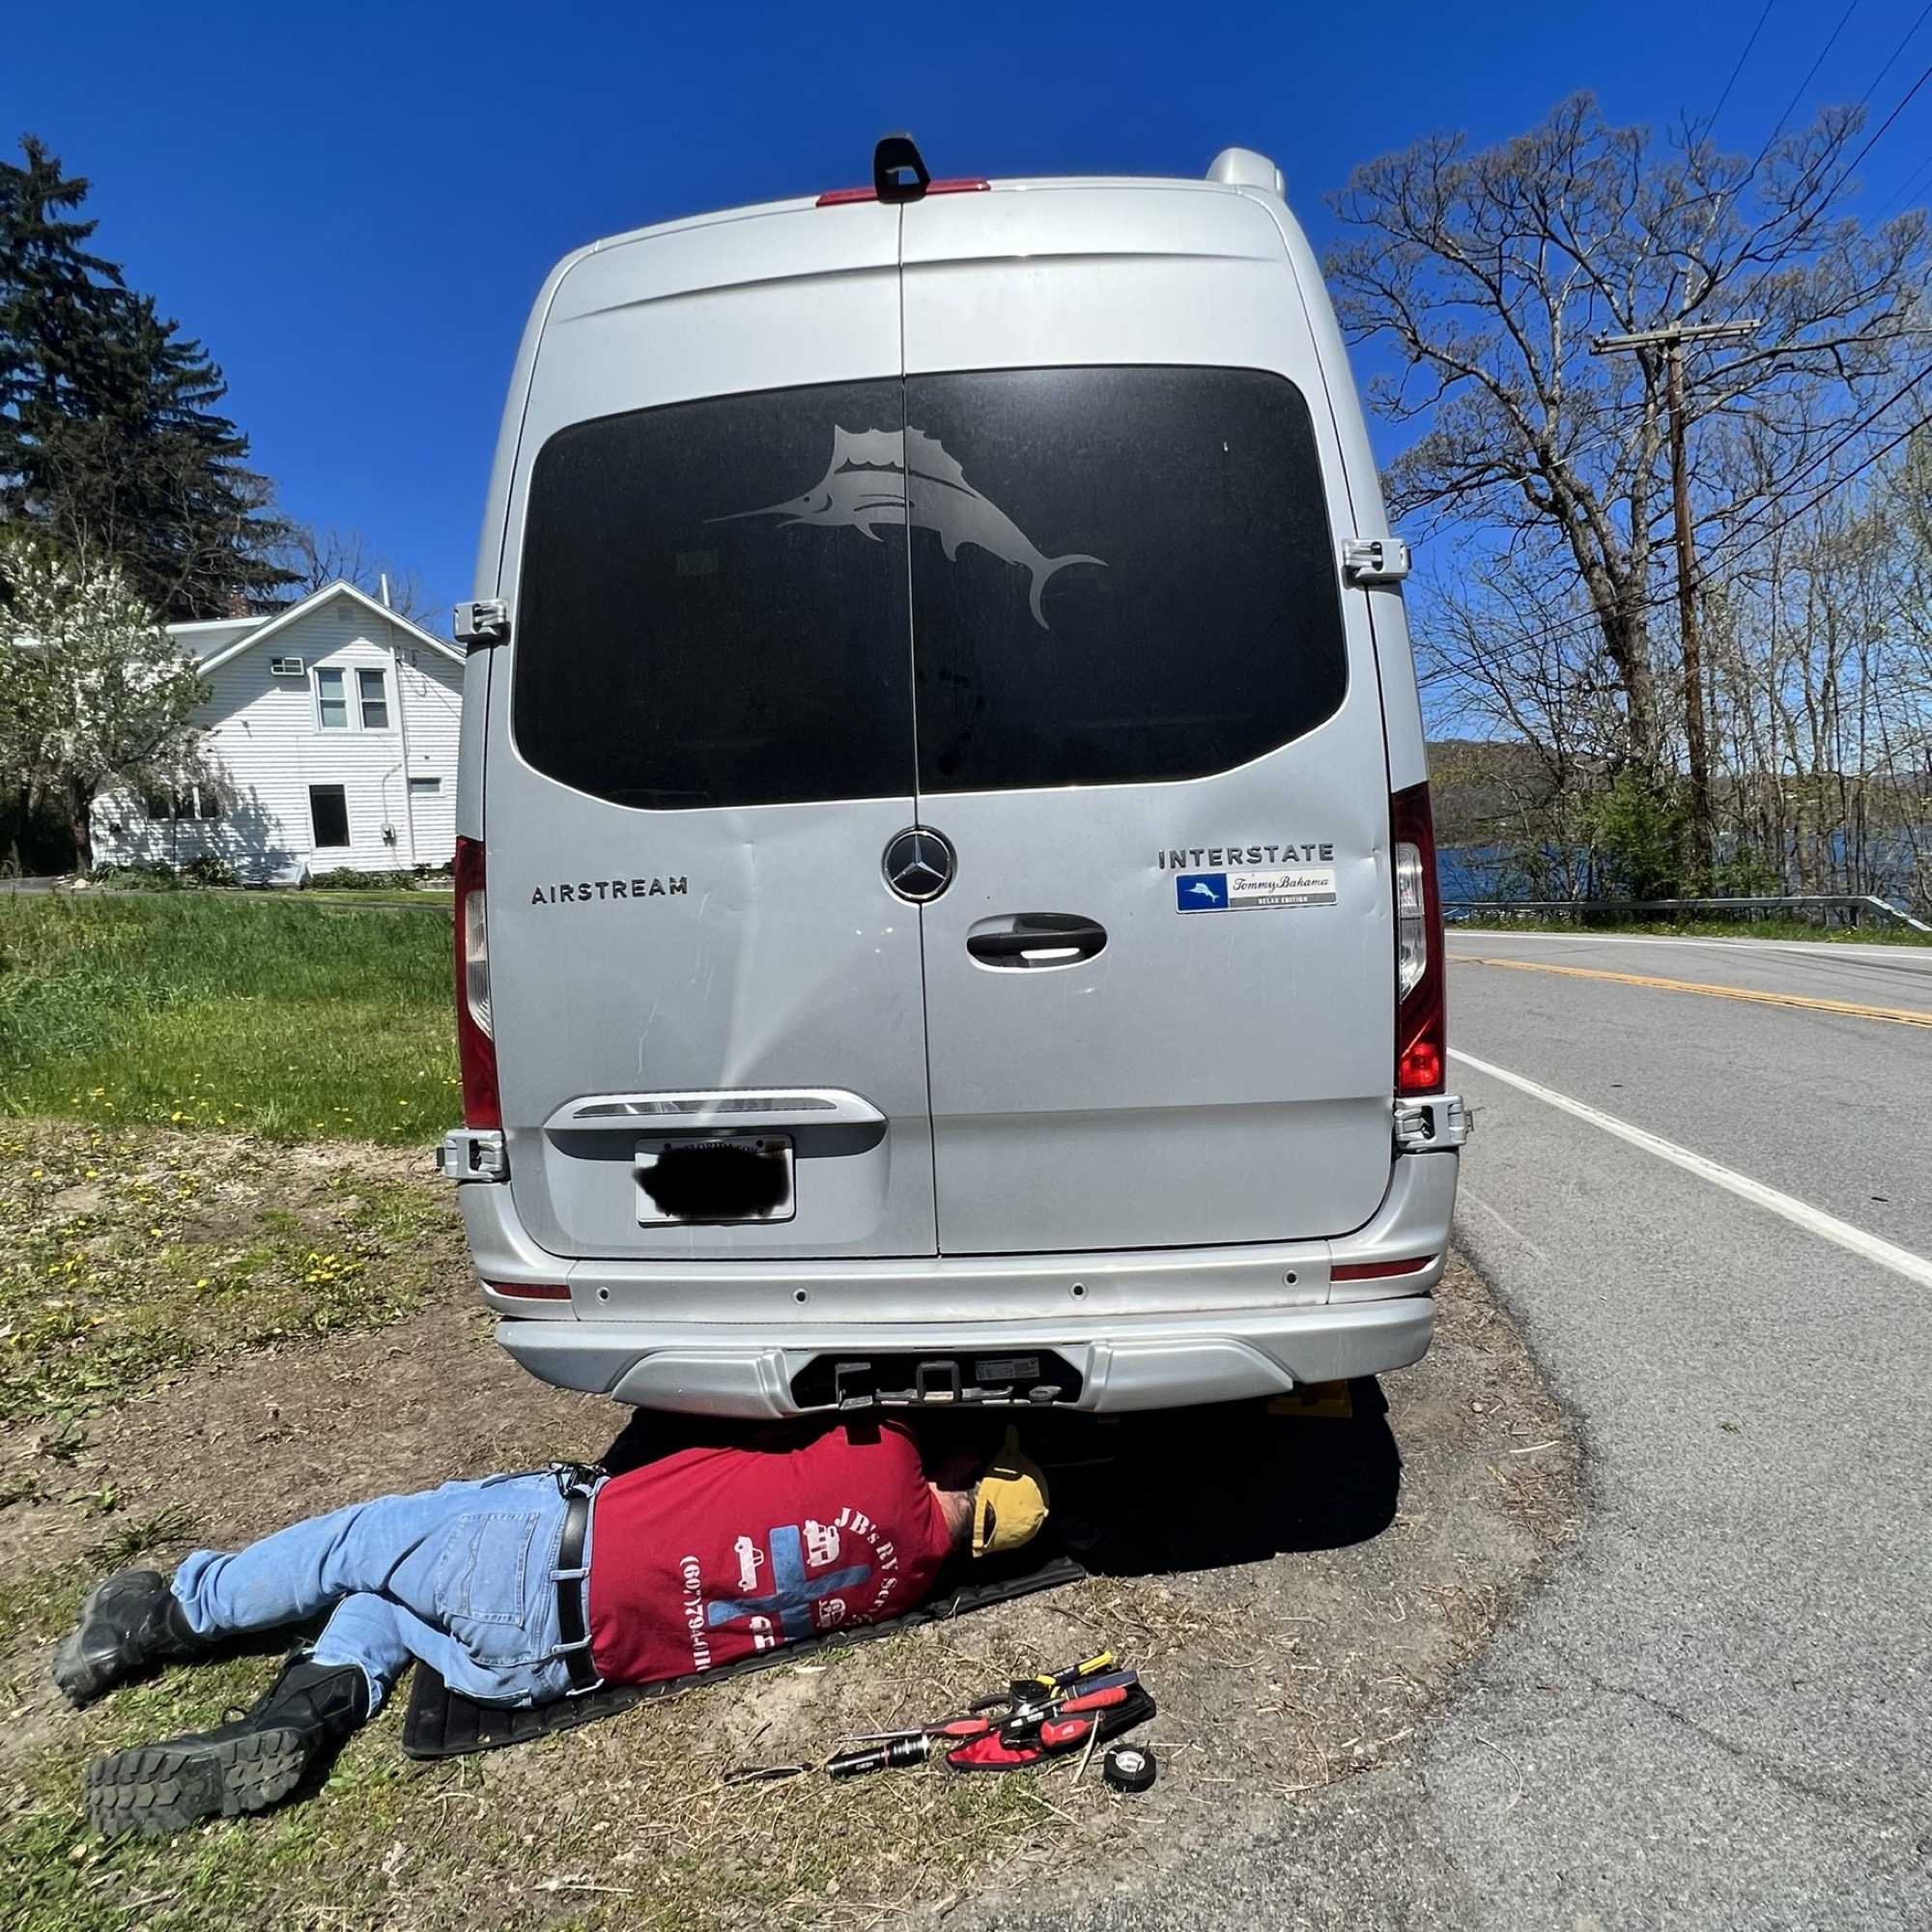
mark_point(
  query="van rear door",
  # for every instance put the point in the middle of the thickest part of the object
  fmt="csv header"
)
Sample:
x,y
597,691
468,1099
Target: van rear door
x,y
1159,990
699,752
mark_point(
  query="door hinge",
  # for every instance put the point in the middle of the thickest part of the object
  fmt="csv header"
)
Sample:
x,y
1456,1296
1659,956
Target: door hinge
x,y
474,1153
1374,559
1432,1123
483,623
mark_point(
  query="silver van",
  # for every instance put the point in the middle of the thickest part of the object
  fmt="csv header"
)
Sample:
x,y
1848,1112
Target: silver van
x,y
946,902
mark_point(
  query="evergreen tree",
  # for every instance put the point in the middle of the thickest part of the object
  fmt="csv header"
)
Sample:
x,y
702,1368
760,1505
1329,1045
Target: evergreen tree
x,y
110,443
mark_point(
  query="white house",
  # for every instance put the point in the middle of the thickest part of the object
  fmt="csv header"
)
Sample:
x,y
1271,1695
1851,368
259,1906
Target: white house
x,y
331,734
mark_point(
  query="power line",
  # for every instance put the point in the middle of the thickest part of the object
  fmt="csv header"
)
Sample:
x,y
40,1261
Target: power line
x,y
1852,167
1905,41
1904,194
1740,67
1797,91
1731,550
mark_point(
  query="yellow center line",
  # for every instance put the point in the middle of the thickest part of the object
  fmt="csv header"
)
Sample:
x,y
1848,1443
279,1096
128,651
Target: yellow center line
x,y
1898,1015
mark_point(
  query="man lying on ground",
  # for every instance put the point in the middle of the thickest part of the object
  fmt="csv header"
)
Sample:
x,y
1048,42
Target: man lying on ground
x,y
522,1589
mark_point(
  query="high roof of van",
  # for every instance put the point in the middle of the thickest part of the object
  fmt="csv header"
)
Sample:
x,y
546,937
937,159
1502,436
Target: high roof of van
x,y
1235,171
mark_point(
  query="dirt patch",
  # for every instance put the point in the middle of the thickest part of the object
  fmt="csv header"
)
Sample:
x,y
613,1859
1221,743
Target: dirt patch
x,y
1277,1676
229,1451
130,1254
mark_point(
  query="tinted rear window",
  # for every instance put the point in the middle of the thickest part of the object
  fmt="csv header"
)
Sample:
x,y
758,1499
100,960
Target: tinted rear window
x,y
712,608
1141,584
1115,575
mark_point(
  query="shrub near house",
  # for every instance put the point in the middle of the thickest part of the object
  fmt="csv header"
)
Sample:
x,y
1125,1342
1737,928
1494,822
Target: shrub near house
x,y
329,744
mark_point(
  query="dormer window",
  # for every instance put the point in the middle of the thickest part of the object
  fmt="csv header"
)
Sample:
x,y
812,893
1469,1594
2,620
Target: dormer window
x,y
331,700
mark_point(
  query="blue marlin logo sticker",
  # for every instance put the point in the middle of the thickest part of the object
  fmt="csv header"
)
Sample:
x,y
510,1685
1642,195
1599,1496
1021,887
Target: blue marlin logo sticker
x,y
1201,892
878,476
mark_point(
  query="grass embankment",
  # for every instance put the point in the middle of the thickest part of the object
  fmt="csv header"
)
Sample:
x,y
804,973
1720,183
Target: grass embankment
x,y
290,1020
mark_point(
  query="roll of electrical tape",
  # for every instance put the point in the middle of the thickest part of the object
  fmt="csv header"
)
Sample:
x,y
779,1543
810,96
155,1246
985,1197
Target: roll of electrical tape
x,y
1130,1768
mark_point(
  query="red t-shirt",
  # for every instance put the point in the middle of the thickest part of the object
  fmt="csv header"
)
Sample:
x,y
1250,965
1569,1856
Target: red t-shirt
x,y
713,1554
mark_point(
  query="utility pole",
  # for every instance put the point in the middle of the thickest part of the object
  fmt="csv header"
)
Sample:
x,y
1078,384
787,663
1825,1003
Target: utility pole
x,y
1671,341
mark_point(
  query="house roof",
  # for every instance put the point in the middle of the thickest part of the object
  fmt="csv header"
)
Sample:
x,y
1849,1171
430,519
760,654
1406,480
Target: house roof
x,y
245,633
205,639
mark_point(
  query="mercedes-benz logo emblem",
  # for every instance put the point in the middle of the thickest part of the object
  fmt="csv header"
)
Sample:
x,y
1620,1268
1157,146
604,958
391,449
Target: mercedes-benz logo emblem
x,y
919,865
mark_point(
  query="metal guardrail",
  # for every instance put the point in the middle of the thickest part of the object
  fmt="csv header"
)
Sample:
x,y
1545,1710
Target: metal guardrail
x,y
1853,902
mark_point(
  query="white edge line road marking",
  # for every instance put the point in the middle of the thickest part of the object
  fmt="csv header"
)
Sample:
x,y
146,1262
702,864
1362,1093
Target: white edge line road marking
x,y
1813,1220
1465,1192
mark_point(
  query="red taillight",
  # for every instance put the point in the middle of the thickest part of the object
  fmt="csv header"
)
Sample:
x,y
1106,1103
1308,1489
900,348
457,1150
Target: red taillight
x,y
837,197
1421,1015
476,1049
526,1291
1377,1270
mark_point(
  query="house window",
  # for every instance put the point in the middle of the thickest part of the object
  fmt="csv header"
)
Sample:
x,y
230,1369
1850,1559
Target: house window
x,y
332,702
425,784
328,815
196,802
375,700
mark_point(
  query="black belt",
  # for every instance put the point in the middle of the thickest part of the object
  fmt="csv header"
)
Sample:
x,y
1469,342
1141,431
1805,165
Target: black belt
x,y
577,1482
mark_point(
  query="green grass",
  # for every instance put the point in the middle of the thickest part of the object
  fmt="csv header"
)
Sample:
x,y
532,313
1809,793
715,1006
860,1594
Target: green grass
x,y
294,1020
127,1253
622,1827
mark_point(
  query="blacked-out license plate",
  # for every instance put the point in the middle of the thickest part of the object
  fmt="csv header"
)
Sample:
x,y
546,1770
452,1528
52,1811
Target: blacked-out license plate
x,y
713,1178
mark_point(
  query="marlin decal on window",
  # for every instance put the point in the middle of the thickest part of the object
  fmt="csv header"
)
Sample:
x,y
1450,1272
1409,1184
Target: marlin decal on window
x,y
876,473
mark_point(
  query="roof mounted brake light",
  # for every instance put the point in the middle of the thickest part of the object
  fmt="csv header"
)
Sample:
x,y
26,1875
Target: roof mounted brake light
x,y
837,197
899,174
895,158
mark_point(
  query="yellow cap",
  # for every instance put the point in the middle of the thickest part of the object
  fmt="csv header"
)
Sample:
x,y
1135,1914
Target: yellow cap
x,y
1010,1503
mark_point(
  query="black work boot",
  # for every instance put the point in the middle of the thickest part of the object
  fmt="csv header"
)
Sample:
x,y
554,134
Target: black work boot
x,y
129,1622
245,1765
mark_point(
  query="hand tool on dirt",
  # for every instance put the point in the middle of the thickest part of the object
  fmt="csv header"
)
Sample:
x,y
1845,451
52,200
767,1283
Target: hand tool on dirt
x,y
1038,1731
1032,1717
892,1750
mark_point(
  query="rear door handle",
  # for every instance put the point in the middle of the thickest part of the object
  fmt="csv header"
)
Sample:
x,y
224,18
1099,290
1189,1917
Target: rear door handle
x,y
1031,940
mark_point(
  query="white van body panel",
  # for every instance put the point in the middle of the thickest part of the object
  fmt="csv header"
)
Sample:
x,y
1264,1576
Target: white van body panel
x,y
775,952
1191,1084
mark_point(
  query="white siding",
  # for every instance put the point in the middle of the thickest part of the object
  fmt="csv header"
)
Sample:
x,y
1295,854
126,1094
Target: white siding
x,y
266,738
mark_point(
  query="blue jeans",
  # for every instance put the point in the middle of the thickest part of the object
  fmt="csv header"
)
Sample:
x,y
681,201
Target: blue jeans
x,y
464,1576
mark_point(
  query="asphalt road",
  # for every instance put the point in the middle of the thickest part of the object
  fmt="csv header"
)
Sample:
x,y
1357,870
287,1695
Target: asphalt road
x,y
1717,1712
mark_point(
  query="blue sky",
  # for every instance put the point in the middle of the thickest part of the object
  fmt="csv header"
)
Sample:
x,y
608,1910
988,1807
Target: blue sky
x,y
352,205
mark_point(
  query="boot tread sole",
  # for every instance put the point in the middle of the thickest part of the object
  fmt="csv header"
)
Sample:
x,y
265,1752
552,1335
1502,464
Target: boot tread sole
x,y
164,1787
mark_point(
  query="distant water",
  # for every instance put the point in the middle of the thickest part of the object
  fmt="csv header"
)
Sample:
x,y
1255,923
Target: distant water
x,y
1468,871
1473,871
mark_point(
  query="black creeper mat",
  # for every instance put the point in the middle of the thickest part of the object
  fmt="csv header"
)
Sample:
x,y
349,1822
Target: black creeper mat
x,y
443,1723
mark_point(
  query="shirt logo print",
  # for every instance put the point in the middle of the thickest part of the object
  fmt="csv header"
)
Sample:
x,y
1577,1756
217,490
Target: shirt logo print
x,y
792,1594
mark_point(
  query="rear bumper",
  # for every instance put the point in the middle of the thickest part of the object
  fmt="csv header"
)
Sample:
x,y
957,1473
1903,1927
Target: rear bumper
x,y
1152,1364
1144,1328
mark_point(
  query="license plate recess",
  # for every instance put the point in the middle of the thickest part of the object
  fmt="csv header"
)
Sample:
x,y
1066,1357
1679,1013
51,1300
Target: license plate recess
x,y
713,1180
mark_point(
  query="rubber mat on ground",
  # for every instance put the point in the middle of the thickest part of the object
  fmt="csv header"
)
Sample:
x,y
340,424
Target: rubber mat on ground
x,y
441,1722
